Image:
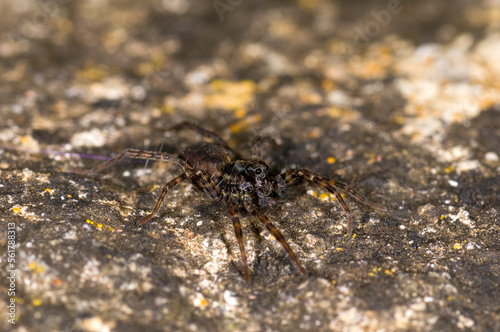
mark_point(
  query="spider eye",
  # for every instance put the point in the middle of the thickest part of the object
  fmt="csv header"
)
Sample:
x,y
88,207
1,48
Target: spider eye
x,y
258,171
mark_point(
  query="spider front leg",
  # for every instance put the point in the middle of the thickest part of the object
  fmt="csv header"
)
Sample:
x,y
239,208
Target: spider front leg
x,y
332,186
164,192
239,236
277,234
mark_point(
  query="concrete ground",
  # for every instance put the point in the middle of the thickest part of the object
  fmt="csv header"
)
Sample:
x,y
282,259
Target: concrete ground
x,y
398,99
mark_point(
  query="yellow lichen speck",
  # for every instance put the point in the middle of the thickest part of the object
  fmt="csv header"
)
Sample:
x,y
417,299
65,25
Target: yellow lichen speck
x,y
36,268
36,302
449,169
99,226
245,122
230,95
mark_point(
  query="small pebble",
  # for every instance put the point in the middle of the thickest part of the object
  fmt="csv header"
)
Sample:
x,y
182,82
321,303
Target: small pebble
x,y
491,157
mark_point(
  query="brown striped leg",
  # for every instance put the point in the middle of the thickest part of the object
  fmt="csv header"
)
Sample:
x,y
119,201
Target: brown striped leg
x,y
204,183
347,210
239,236
146,155
356,195
263,219
203,132
164,192
333,187
133,154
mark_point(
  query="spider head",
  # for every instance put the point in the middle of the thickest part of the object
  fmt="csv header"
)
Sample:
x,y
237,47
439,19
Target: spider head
x,y
253,171
252,179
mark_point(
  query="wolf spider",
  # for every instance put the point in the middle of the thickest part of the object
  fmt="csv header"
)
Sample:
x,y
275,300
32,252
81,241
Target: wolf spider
x,y
243,184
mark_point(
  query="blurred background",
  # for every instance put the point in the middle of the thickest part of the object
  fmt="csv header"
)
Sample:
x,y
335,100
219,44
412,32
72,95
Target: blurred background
x,y
398,98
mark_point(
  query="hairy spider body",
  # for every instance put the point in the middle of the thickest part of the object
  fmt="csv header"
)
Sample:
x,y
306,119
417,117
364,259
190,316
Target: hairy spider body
x,y
243,184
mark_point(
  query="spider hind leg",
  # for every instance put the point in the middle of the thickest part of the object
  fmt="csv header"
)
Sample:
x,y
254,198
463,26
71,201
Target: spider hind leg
x,y
131,154
203,132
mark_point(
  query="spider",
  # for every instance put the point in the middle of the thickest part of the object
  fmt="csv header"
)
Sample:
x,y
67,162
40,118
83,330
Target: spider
x,y
242,184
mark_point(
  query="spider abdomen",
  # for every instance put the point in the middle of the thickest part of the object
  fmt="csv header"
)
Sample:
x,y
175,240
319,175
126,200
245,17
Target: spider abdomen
x,y
208,157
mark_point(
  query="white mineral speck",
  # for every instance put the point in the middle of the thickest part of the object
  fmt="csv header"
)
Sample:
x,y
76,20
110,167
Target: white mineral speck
x,y
70,235
94,137
491,157
467,165
230,298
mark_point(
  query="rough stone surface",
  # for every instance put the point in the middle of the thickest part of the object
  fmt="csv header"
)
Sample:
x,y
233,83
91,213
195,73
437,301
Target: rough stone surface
x,y
399,99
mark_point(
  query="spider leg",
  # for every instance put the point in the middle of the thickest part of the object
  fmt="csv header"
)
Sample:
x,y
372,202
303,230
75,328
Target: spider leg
x,y
356,195
133,154
333,187
146,155
346,209
164,192
239,236
257,143
203,182
277,234
203,132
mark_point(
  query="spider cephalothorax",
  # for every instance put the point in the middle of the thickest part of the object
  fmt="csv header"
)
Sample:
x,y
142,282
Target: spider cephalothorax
x,y
249,184
243,184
